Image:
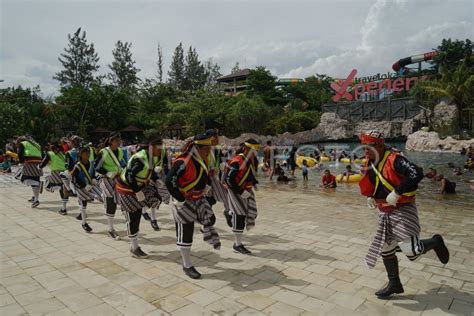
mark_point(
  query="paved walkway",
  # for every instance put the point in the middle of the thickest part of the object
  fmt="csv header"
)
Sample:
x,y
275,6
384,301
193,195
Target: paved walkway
x,y
308,260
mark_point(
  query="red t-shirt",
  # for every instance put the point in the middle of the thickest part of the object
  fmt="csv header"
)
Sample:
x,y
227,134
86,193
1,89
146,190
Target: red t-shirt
x,y
331,179
65,148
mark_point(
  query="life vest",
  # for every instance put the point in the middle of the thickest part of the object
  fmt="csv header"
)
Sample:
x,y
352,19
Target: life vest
x,y
387,177
31,150
111,162
57,161
85,174
244,171
143,176
191,177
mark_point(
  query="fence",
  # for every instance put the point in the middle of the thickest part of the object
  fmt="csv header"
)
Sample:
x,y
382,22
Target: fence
x,y
383,110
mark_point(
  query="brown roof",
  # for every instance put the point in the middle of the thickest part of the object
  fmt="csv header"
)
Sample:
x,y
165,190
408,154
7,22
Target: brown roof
x,y
131,128
100,130
176,126
240,74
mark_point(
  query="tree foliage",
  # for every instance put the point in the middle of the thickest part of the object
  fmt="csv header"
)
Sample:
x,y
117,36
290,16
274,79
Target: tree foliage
x,y
79,62
123,71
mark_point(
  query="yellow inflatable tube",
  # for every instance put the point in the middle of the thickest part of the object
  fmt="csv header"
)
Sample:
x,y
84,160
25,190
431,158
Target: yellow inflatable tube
x,y
354,178
309,160
324,158
348,160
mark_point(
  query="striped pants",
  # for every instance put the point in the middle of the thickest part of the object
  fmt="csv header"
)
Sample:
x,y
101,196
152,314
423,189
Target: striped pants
x,y
398,230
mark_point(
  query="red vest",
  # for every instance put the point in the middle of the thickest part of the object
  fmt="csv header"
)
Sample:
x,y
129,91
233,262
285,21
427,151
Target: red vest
x,y
191,177
245,170
388,178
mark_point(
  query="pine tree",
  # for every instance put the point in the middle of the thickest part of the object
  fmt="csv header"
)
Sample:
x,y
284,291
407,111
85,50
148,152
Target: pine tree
x,y
194,72
80,62
212,71
176,72
124,72
236,68
159,63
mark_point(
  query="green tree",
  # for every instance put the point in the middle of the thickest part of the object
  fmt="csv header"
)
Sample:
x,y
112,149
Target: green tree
x,y
159,64
124,72
176,72
212,71
79,62
262,83
249,114
194,72
452,53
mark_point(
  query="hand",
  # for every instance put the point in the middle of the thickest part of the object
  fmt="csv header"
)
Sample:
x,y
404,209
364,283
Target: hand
x,y
111,174
371,203
392,198
158,169
140,196
160,183
178,203
88,187
246,194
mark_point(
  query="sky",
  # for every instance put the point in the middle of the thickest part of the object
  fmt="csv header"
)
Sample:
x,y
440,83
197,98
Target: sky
x,y
291,38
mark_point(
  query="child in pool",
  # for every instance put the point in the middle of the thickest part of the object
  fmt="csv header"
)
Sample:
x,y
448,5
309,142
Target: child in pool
x,y
347,173
329,181
304,169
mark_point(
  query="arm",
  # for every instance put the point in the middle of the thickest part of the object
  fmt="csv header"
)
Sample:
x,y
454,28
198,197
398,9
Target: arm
x,y
131,173
69,162
45,161
99,162
21,153
171,180
443,185
231,178
76,179
413,175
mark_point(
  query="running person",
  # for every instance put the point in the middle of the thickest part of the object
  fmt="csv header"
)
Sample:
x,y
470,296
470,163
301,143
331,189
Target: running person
x,y
240,180
30,156
109,163
87,186
390,182
187,182
135,190
56,159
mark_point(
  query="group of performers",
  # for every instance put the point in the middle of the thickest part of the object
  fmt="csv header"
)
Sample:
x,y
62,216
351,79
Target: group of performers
x,y
197,179
143,176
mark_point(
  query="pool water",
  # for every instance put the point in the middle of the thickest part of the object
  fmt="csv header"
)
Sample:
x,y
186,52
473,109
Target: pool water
x,y
428,192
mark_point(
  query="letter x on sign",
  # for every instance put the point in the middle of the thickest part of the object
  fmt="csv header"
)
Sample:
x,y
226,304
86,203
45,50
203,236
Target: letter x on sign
x,y
341,90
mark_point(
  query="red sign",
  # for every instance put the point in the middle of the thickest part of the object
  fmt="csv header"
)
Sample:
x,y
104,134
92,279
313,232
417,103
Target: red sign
x,y
371,87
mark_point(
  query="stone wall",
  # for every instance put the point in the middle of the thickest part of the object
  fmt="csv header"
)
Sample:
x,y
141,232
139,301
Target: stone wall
x,y
430,141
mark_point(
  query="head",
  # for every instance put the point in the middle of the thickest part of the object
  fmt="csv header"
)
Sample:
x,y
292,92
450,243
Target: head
x,y
349,168
203,143
214,135
440,177
154,142
269,142
76,141
374,144
305,162
327,172
84,154
251,148
114,140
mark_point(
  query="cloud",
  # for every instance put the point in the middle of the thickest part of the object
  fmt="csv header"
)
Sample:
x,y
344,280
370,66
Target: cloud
x,y
393,30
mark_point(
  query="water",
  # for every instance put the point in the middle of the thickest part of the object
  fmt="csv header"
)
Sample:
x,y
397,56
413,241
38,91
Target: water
x,y
428,192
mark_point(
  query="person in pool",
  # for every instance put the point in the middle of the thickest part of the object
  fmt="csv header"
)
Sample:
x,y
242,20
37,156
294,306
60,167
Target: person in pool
x,y
431,174
329,180
447,187
347,173
304,169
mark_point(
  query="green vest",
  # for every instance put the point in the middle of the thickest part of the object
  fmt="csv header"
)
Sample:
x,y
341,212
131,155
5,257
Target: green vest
x,y
31,150
109,163
57,161
215,159
144,175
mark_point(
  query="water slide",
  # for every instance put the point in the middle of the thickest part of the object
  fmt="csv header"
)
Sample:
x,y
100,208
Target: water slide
x,y
413,60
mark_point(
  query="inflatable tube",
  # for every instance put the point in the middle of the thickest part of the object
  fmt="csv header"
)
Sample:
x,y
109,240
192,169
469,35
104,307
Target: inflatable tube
x,y
355,178
323,158
310,161
348,160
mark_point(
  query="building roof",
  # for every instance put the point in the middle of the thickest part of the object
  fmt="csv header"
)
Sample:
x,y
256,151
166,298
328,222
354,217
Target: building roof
x,y
131,128
100,130
240,74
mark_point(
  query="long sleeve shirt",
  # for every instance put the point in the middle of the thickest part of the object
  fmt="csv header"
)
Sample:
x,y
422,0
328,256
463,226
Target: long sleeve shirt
x,y
411,172
176,172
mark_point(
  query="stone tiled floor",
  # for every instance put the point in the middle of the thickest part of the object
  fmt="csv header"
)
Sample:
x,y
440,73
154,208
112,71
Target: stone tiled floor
x,y
308,260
